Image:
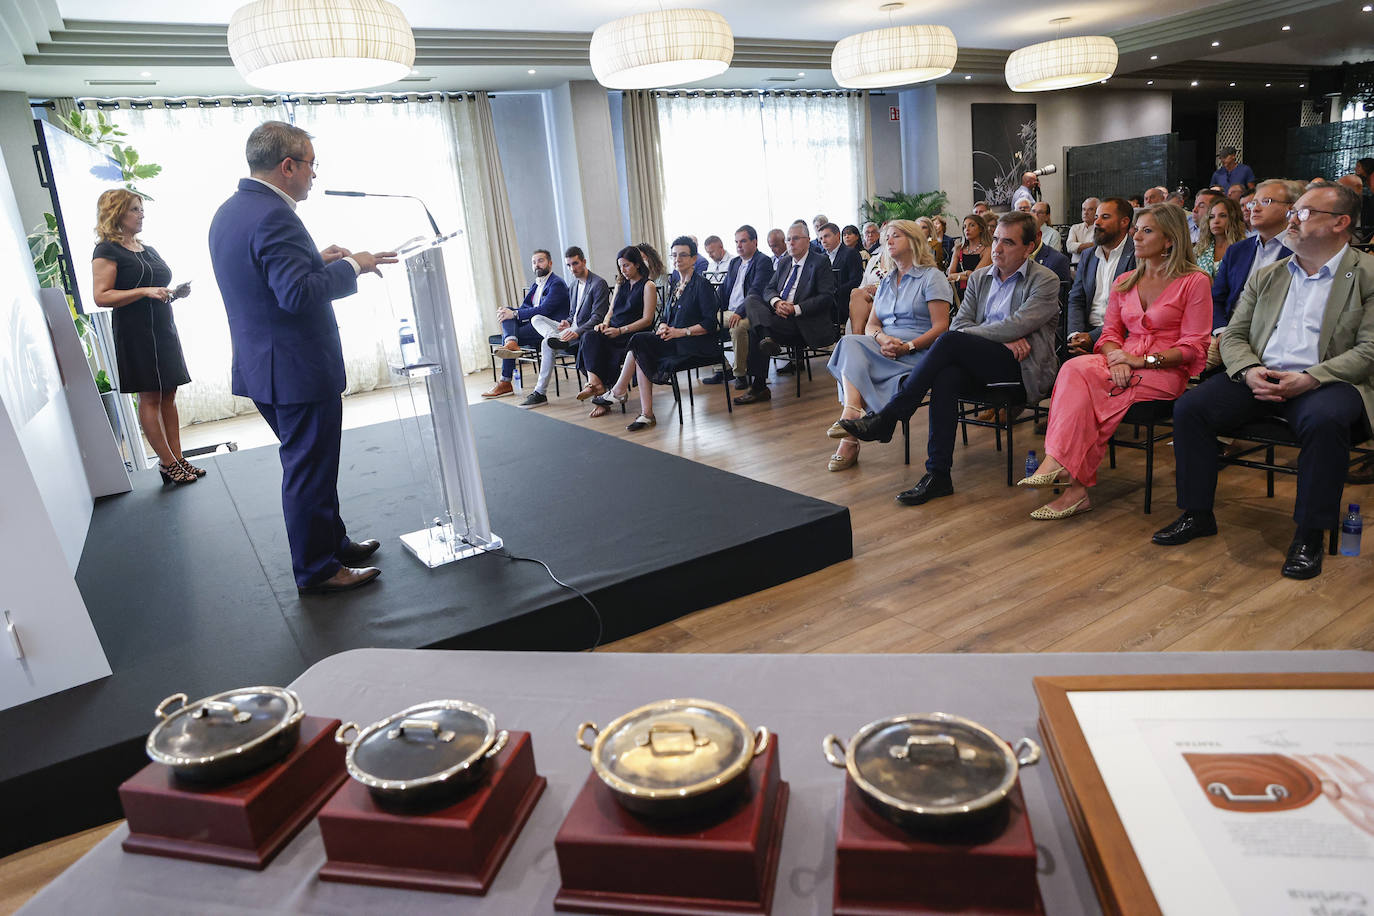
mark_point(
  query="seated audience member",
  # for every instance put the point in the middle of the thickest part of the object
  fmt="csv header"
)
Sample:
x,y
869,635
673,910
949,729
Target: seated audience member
x,y
1081,234
1225,227
1112,256
1029,183
1245,212
632,309
777,243
1154,338
548,297
852,240
748,274
699,264
1236,192
1365,169
1269,217
1156,195
932,240
1052,258
972,252
1202,205
1135,202
981,209
861,300
1024,205
795,309
1232,171
689,321
717,261
990,223
1002,335
1299,346
1178,199
818,223
589,300
910,310
871,240
848,270
1048,234
946,241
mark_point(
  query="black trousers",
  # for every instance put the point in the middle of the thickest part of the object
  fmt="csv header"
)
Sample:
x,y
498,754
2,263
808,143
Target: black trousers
x,y
653,353
601,355
1322,420
764,322
957,363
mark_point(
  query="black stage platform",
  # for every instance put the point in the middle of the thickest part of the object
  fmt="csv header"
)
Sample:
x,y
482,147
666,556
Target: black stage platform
x,y
190,588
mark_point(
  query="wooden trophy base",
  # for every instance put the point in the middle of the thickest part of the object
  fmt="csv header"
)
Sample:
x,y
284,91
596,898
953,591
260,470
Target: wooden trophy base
x,y
457,848
244,823
882,869
722,861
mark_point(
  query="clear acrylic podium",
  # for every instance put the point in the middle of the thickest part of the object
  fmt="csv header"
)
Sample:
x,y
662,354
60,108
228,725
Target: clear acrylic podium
x,y
435,424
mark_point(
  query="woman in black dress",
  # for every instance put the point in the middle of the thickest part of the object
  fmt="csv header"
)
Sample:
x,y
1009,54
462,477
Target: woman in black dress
x,y
633,309
131,279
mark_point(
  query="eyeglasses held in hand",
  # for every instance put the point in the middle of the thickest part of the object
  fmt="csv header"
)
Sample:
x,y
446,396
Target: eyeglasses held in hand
x,y
1122,389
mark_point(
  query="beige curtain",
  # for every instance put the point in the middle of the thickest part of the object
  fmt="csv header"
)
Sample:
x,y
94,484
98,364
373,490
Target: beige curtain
x,y
644,162
870,179
496,271
62,109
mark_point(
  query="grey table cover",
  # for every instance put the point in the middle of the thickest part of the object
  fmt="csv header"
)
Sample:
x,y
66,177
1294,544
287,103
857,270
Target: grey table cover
x,y
800,697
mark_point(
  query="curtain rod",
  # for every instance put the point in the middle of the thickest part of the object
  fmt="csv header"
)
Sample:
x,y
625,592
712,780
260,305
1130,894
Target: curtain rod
x,y
184,101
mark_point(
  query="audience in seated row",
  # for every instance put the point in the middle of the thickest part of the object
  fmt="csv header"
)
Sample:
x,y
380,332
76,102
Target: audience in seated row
x,y
747,275
1225,227
633,309
589,299
1113,254
548,297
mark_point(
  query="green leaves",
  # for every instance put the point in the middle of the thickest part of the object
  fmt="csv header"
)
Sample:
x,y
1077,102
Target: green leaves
x,y
45,247
104,134
102,382
899,205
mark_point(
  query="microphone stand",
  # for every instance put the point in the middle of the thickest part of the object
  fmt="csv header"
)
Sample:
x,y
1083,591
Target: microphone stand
x,y
432,224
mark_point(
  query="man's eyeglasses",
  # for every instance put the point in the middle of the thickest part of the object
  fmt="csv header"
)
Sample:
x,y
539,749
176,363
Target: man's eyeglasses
x,y
314,165
1305,213
1265,202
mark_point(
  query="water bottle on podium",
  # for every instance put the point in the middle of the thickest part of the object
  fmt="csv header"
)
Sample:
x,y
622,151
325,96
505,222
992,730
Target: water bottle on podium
x,y
410,350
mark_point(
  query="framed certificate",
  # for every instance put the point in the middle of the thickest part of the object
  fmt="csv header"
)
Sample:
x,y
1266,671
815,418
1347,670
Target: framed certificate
x,y
1219,793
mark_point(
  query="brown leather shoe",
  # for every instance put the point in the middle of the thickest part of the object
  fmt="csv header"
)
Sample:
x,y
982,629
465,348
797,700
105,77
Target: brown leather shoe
x,y
345,579
499,390
357,551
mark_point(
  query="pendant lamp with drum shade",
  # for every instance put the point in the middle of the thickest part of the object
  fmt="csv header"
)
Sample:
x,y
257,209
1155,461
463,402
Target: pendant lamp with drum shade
x,y
895,56
1062,63
321,45
661,48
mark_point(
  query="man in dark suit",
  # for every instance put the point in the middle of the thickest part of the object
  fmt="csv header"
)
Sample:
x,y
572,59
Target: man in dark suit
x,y
1112,255
747,275
1300,346
278,289
589,299
849,270
548,297
1269,219
1049,257
795,309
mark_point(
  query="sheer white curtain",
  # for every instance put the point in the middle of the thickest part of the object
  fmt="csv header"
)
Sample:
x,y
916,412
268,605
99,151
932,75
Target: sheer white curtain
x,y
762,159
385,147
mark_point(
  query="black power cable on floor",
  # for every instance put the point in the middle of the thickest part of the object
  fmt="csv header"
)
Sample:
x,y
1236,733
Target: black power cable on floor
x,y
600,628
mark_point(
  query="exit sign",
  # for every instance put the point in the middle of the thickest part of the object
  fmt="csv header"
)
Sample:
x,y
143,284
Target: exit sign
x,y
894,113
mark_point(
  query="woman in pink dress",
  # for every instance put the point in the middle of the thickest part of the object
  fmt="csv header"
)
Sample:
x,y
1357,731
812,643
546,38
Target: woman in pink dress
x,y
1154,336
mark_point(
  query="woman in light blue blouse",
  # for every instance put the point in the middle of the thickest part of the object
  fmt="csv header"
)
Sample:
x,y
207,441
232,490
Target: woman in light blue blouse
x,y
910,309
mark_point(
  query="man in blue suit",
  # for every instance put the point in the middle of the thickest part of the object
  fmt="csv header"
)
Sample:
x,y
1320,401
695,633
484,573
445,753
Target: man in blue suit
x,y
849,270
1112,255
747,275
548,297
1269,219
1051,257
277,290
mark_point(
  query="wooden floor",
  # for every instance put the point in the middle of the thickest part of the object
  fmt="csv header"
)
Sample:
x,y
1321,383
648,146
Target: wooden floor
x,y
973,573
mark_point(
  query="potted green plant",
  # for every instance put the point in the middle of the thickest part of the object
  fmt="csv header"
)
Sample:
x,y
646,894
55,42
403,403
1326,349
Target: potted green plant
x,y
900,205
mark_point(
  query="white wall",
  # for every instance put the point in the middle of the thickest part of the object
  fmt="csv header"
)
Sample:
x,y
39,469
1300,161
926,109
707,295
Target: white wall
x,y
886,139
16,142
1069,118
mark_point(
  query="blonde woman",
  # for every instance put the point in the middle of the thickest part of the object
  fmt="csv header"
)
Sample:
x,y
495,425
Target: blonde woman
x,y
129,278
910,310
1154,336
1225,227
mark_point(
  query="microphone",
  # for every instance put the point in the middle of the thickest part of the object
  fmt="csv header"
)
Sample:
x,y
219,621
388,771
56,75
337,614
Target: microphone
x,y
432,224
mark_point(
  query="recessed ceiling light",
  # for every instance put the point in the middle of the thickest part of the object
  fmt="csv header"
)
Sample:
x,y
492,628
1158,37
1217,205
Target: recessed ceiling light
x,y
801,73
1267,85
530,72
1149,82
1367,8
145,73
1302,85
1216,44
1193,83
1287,28
1233,84
967,77
1154,57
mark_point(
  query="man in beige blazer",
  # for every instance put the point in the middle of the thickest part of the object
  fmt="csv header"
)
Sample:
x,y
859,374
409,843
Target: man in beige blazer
x,y
1300,345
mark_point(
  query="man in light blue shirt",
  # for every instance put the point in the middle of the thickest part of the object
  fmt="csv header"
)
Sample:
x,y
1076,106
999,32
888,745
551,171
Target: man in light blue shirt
x,y
1299,346
1233,171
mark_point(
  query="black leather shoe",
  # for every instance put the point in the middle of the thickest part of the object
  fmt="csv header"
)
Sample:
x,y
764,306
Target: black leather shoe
x,y
559,343
871,427
932,486
769,347
1361,473
787,368
754,395
1304,560
719,378
1187,526
357,551
346,579
741,383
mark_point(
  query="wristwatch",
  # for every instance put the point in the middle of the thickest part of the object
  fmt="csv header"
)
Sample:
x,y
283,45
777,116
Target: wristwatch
x,y
1154,361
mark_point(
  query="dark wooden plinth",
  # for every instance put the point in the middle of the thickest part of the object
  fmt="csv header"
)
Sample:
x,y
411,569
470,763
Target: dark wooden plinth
x,y
244,823
882,869
723,861
457,848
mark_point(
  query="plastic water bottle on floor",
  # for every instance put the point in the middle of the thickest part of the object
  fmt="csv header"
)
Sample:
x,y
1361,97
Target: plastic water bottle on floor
x,y
1351,528
1032,463
410,350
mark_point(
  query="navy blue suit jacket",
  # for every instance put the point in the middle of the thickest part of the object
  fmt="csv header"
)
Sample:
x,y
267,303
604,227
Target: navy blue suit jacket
x,y
1231,276
696,305
814,294
849,273
1056,261
756,277
553,304
278,294
1085,286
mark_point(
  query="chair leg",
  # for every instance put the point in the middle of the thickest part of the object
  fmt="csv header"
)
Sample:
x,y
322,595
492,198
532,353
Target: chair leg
x,y
690,399
1149,464
796,355
906,442
1011,451
677,394
963,426
1111,453
1331,540
1269,459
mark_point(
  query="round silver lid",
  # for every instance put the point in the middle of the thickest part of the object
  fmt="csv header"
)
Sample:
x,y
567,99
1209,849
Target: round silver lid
x,y
423,744
222,725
